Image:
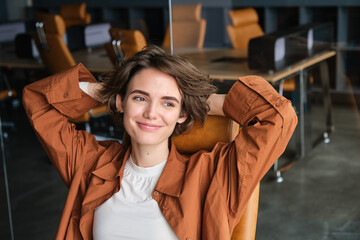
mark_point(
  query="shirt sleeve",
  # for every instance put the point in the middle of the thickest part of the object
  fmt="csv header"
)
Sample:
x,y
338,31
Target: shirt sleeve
x,y
267,122
49,104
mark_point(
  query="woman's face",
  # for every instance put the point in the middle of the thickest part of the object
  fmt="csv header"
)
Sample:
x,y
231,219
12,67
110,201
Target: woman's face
x,y
152,107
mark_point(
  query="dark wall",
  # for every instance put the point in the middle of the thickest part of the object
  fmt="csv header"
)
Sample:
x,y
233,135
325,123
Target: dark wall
x,y
3,11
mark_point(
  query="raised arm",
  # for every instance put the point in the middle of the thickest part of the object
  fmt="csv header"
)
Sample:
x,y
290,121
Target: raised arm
x,y
268,121
49,103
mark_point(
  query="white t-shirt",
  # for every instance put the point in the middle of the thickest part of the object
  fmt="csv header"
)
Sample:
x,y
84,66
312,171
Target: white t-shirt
x,y
132,213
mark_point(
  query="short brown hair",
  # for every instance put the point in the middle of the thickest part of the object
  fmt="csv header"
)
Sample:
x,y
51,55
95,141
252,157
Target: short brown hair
x,y
195,87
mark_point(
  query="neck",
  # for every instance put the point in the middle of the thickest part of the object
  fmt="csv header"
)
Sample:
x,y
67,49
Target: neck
x,y
149,155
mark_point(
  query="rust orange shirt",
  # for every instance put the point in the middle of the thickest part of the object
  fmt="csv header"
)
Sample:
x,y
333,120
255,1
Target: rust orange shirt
x,y
201,196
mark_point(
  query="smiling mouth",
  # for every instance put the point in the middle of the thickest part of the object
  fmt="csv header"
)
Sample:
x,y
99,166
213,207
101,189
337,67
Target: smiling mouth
x,y
148,127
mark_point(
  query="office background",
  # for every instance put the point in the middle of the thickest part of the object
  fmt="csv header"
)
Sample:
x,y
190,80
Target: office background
x,y
319,196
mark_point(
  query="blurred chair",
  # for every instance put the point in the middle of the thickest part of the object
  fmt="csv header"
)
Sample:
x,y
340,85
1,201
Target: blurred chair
x,y
49,39
124,44
220,129
75,14
245,26
56,55
188,27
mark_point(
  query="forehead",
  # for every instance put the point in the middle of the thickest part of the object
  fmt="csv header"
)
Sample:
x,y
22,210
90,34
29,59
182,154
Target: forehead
x,y
154,81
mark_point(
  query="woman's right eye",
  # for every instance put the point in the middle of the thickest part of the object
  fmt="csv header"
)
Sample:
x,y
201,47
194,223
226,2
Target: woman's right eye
x,y
139,98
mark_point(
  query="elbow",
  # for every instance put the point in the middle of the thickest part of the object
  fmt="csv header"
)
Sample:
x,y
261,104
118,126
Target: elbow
x,y
290,120
25,97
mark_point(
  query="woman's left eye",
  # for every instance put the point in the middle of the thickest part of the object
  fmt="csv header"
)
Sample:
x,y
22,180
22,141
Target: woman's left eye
x,y
169,104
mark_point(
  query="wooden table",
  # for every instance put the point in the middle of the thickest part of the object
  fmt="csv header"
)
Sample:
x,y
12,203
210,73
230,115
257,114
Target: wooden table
x,y
209,60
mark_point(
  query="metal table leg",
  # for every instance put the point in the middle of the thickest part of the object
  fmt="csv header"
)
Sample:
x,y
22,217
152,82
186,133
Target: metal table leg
x,y
325,82
6,181
302,113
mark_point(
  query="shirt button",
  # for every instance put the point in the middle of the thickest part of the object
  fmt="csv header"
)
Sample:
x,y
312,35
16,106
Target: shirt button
x,y
251,84
156,193
278,104
65,95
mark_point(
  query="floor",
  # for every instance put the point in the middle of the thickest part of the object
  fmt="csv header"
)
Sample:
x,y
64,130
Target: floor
x,y
319,198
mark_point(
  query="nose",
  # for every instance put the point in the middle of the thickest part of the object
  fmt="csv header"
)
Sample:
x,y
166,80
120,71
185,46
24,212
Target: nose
x,y
151,111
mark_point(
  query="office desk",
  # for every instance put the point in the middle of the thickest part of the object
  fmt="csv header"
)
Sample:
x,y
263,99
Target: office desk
x,y
230,64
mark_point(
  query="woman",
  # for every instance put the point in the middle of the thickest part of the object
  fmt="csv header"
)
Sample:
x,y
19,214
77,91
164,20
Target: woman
x,y
143,188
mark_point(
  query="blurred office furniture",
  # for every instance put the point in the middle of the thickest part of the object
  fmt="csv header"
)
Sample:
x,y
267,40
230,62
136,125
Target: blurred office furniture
x,y
245,25
124,44
25,46
96,34
6,183
88,36
54,52
188,27
6,95
273,16
57,57
9,30
220,129
278,50
75,14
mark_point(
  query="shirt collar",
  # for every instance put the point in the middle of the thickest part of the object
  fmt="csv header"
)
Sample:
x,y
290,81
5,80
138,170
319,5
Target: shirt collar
x,y
114,168
172,178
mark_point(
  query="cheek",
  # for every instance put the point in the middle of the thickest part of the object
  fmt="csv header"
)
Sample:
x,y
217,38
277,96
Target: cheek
x,y
171,118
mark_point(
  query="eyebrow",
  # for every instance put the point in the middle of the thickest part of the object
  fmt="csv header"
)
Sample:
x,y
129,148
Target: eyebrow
x,y
147,94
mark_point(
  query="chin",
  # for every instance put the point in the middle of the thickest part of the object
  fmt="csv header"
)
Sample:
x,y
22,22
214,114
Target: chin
x,y
149,140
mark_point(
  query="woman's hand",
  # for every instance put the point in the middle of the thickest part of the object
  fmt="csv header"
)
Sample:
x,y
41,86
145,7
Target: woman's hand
x,y
93,91
216,102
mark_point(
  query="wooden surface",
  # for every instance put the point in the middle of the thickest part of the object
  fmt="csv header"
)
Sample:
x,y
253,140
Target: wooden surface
x,y
207,60
232,70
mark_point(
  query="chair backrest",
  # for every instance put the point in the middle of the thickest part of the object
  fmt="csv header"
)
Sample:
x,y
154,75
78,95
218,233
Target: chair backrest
x,y
56,56
220,129
188,27
131,42
75,14
245,25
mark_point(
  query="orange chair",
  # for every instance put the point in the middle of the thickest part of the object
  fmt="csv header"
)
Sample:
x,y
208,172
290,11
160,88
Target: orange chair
x,y
220,129
125,43
56,55
245,26
53,50
188,27
75,14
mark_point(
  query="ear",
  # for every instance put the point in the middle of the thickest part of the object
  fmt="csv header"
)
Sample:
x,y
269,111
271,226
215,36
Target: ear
x,y
119,103
182,117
